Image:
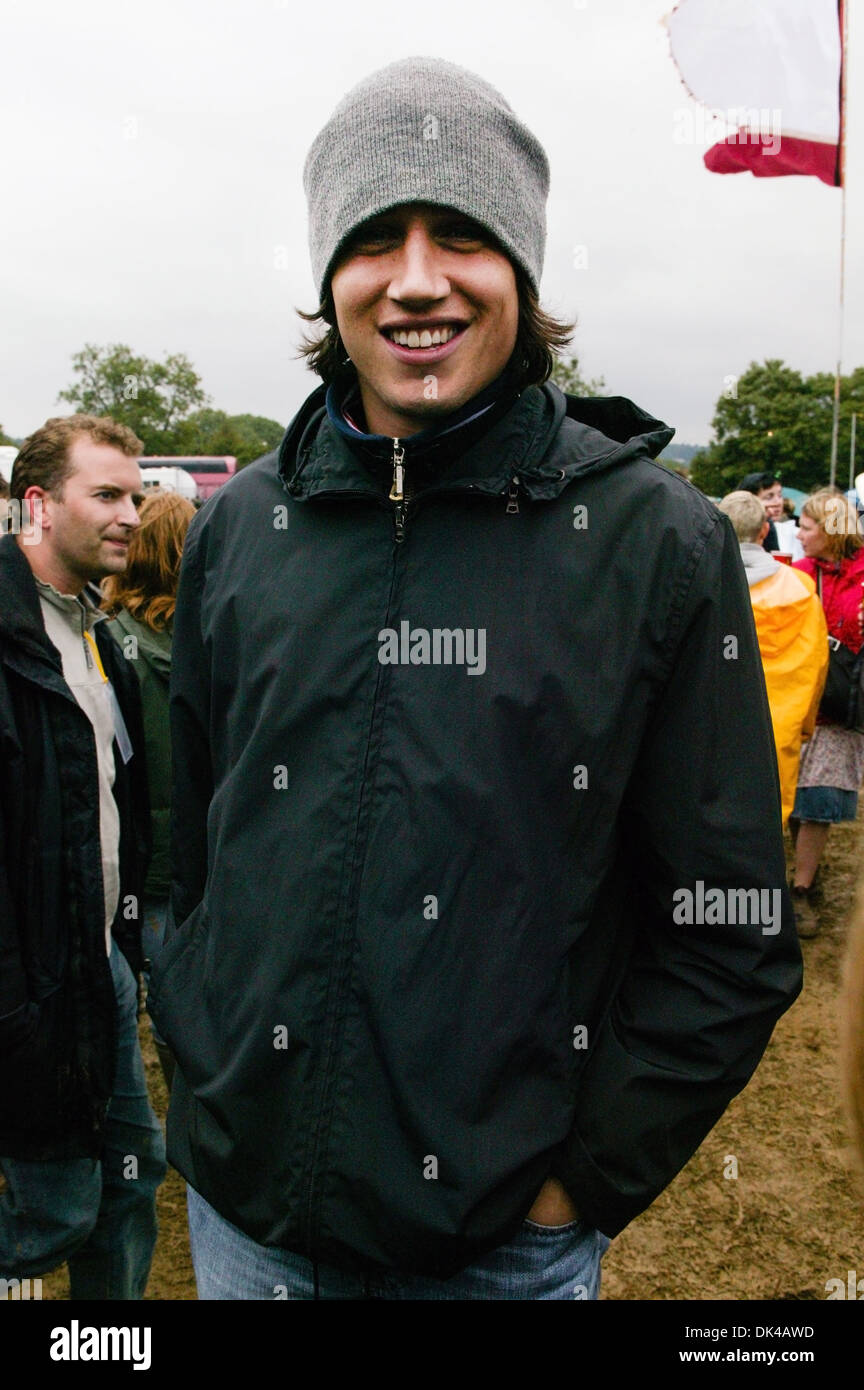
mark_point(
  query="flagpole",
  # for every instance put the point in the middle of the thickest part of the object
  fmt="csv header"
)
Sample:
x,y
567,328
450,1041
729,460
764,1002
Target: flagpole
x,y
835,424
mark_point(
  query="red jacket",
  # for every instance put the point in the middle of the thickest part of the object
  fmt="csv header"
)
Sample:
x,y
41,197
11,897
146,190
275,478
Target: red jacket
x,y
842,595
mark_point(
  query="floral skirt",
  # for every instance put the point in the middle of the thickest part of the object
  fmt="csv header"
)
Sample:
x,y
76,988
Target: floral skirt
x,y
830,775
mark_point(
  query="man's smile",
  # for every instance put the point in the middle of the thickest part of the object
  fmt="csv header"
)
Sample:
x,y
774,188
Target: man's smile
x,y
425,340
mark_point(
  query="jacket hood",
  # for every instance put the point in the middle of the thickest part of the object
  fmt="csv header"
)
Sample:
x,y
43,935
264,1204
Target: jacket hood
x,y
482,455
758,564
781,606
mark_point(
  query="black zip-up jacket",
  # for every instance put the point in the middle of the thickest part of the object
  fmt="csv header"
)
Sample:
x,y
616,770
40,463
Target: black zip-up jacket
x,y
430,946
57,1027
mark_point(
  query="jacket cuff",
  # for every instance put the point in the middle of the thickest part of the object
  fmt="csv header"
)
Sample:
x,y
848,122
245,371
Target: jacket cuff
x,y
597,1200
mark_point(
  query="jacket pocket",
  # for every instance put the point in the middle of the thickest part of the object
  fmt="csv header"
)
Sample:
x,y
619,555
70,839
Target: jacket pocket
x,y
39,1082
175,1000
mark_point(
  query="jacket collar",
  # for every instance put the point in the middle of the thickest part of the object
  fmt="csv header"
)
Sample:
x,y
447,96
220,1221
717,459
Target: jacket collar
x,y
79,610
21,623
517,437
452,434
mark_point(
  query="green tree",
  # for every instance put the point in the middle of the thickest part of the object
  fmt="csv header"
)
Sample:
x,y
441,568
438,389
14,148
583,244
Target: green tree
x,y
209,431
4,438
152,398
773,418
568,377
261,433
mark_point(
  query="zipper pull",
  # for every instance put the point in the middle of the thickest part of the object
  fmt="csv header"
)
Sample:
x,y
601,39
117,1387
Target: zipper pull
x,y
513,497
397,491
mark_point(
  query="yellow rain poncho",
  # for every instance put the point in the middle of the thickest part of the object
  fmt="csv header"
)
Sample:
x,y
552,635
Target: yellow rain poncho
x,y
793,641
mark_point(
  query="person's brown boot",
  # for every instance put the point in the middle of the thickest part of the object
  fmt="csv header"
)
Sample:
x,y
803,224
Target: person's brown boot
x,y
806,918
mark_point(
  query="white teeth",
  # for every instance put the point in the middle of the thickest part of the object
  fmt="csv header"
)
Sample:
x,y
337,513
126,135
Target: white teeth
x,y
424,339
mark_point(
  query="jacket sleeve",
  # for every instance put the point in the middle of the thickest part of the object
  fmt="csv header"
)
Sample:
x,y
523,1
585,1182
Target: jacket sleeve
x,y
192,778
698,993
18,1015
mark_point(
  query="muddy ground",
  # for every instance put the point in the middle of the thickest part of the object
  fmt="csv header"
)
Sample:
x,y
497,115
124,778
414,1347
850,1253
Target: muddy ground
x,y
792,1219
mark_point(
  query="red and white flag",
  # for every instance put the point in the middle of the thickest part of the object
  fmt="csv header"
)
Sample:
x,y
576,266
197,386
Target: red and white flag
x,y
773,69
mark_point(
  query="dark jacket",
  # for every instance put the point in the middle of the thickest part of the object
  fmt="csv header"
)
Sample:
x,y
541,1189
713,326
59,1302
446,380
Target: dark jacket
x,y
150,659
427,952
57,1029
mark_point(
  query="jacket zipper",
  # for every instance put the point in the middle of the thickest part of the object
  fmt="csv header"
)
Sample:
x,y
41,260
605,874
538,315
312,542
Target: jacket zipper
x,y
397,491
340,982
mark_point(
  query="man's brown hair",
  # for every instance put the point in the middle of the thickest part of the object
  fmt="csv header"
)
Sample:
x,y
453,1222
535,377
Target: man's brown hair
x,y
147,588
539,338
43,460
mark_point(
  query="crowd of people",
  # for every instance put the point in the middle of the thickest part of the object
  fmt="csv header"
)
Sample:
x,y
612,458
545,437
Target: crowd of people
x,y
449,977
797,612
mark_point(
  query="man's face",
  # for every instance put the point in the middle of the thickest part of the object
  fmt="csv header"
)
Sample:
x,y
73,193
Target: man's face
x,y
772,500
86,531
408,277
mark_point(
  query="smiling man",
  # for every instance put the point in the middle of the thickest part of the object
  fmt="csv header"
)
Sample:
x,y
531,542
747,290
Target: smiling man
x,y
82,1152
439,1030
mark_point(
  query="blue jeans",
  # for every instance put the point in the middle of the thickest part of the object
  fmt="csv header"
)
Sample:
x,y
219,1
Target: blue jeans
x,y
154,913
99,1215
551,1262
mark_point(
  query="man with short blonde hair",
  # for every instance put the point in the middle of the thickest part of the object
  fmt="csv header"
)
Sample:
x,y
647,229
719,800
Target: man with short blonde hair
x,y
747,515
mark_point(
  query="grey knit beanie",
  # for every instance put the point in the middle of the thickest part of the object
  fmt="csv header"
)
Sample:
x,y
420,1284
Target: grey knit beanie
x,y
425,131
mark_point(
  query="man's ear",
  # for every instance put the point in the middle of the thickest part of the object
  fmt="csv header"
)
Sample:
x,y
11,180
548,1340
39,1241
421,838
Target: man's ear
x,y
40,503
766,527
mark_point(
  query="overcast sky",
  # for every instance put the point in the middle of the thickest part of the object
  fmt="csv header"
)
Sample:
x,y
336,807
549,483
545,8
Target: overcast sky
x,y
152,194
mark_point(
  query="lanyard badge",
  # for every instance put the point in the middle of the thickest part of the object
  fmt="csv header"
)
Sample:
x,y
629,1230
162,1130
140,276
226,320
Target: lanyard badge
x,y
121,733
